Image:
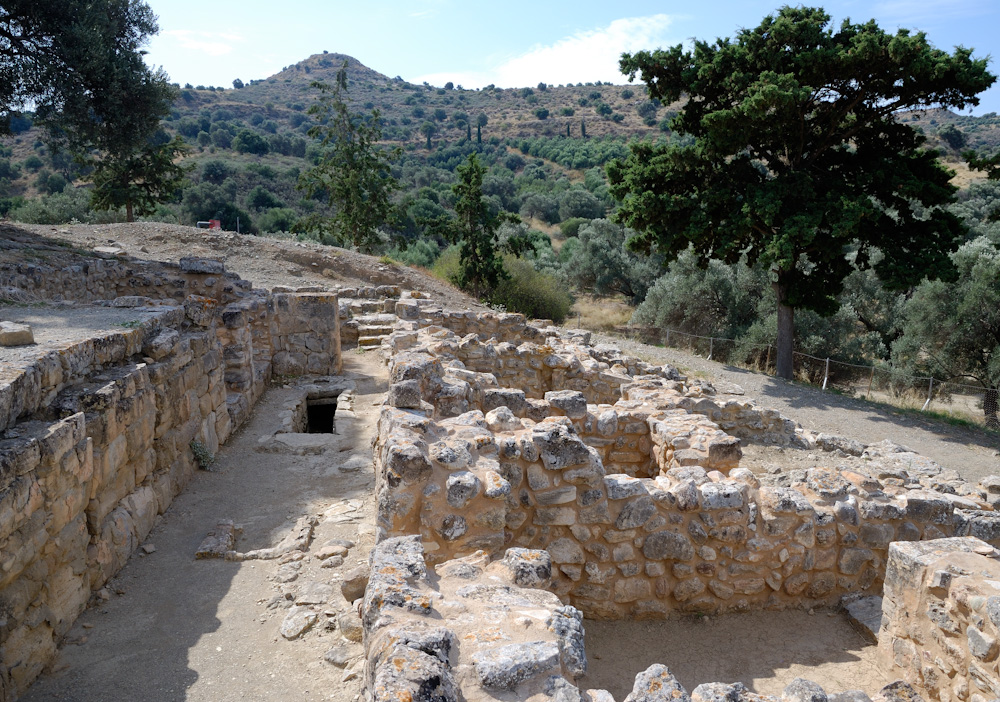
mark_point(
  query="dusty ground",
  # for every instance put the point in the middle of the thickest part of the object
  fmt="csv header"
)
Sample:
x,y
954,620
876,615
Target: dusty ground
x,y
175,628
763,650
973,453
266,262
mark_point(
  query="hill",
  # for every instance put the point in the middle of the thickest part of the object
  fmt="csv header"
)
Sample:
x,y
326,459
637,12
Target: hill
x,y
251,143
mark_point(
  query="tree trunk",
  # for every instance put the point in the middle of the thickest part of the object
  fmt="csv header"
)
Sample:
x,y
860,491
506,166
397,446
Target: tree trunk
x,y
785,342
129,214
991,400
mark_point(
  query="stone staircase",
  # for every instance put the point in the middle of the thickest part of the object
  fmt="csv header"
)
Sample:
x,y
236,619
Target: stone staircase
x,y
372,328
367,315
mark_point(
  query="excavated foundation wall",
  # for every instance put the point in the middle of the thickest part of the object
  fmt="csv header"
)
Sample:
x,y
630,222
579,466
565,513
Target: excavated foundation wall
x,y
483,461
96,438
941,618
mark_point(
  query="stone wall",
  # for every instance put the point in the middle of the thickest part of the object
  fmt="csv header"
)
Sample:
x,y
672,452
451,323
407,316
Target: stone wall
x,y
685,540
96,438
82,479
941,618
480,629
640,504
468,625
106,278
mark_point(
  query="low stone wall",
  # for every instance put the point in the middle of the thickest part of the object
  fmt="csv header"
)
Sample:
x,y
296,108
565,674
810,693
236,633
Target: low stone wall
x,y
640,504
476,629
941,618
98,437
98,278
470,626
686,540
83,480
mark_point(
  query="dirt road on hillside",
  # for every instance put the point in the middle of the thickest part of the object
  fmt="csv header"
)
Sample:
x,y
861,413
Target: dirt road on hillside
x,y
973,453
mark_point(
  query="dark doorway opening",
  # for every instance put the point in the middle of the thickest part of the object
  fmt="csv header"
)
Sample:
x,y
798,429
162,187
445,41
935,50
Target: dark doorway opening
x,y
320,415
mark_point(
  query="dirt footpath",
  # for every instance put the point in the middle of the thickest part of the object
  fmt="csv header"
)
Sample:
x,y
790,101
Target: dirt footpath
x,y
175,628
972,453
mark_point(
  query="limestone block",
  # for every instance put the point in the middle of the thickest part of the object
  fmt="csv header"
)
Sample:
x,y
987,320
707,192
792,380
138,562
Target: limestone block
x,y
657,684
527,567
506,667
15,334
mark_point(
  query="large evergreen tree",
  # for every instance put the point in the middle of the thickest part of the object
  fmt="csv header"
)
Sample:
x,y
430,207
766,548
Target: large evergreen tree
x,y
354,172
139,180
797,156
79,64
475,227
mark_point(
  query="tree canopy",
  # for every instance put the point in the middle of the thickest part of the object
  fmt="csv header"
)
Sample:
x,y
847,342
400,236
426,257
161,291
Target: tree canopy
x,y
475,228
79,64
140,180
797,157
353,171
952,330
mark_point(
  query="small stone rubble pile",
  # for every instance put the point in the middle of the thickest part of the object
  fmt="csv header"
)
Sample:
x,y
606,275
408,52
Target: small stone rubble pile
x,y
627,478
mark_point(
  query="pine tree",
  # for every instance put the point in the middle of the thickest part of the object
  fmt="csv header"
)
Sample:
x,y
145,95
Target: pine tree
x,y
353,170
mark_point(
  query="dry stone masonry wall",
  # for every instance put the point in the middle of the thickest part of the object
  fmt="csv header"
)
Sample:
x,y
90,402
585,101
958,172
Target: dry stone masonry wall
x,y
622,482
941,618
97,437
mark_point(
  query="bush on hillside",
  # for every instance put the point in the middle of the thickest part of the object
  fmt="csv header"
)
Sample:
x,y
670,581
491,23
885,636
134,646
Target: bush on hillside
x,y
531,292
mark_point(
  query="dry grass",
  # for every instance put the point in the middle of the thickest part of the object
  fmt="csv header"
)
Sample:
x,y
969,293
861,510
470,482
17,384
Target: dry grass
x,y
600,314
964,176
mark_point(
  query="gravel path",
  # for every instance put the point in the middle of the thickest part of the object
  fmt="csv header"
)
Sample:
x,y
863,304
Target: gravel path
x,y
974,454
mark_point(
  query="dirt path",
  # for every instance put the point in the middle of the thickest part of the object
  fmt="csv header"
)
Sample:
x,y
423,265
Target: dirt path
x,y
763,650
176,628
973,454
264,261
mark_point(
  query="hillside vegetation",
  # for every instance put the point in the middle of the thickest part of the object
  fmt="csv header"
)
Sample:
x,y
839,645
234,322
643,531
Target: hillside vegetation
x,y
250,143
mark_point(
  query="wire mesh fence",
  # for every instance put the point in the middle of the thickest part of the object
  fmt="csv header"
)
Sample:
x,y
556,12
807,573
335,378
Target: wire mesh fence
x,y
881,383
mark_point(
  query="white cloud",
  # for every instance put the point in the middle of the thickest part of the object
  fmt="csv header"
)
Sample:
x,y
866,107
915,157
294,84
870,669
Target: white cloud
x,y
582,57
210,43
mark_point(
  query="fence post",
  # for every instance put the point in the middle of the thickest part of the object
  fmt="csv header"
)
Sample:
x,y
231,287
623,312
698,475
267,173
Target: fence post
x,y
826,373
711,347
667,342
870,381
767,361
930,388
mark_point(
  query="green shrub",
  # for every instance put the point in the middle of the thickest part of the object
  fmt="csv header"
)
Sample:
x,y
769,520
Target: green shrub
x,y
532,293
60,208
278,219
448,266
421,253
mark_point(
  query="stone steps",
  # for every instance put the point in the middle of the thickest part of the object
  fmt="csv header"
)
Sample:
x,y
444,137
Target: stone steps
x,y
370,341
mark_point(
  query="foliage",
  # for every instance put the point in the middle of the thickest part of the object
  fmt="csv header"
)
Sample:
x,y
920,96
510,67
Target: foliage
x,y
580,203
248,141
603,263
715,299
79,64
798,154
951,330
475,228
354,172
533,293
421,253
278,219
139,180
571,227
60,208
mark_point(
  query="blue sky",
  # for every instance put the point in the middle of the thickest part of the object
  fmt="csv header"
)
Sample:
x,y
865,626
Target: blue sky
x,y
511,43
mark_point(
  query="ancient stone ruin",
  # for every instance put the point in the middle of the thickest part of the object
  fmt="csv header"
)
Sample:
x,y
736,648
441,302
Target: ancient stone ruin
x,y
527,481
